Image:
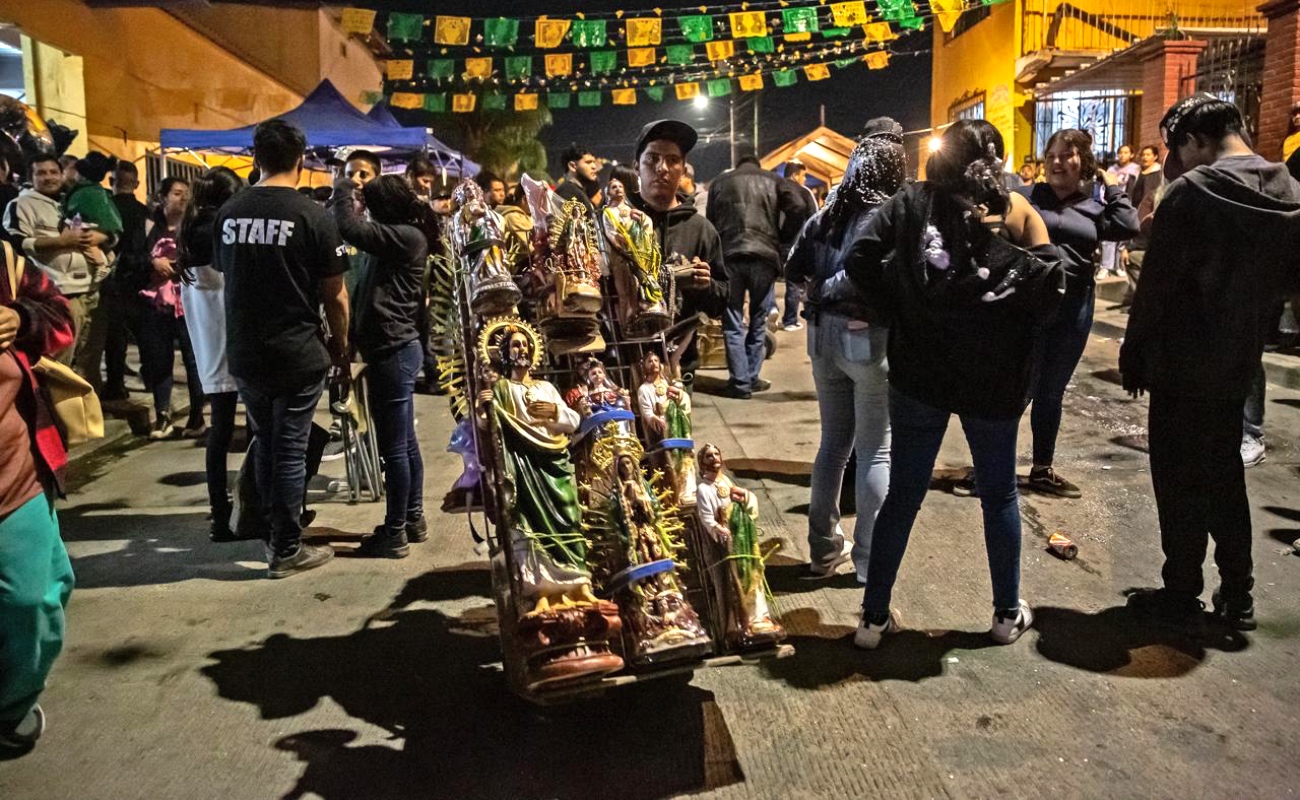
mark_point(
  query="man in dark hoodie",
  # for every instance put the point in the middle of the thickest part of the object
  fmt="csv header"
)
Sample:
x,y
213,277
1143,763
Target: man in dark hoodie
x,y
685,237
1197,329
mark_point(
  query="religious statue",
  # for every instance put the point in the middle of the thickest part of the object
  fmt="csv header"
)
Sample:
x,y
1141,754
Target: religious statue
x,y
566,631
477,235
727,514
598,400
566,264
636,541
664,406
635,262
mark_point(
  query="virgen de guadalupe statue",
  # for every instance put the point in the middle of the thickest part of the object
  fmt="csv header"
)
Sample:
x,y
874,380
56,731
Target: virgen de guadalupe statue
x,y
565,630
729,516
566,263
478,237
598,400
636,264
636,541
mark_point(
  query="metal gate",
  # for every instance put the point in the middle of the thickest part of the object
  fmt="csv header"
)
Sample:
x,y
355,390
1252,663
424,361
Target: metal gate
x,y
1232,69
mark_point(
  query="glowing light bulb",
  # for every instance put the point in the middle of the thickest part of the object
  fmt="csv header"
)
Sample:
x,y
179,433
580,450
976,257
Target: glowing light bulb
x,y
701,101
935,144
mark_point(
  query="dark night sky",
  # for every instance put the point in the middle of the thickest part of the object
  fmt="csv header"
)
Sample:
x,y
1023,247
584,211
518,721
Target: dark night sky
x,y
850,96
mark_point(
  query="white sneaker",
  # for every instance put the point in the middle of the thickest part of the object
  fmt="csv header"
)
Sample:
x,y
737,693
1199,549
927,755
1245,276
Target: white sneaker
x,y
1008,629
794,326
829,571
868,636
1252,450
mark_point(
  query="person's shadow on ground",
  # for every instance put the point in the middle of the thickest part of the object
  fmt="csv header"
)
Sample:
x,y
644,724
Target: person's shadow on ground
x,y
1116,641
458,731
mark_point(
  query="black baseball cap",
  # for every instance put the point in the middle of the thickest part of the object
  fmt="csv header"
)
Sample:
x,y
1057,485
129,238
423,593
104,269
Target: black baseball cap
x,y
671,129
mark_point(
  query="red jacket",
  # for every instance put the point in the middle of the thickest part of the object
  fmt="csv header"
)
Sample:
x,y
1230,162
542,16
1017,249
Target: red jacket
x,y
45,328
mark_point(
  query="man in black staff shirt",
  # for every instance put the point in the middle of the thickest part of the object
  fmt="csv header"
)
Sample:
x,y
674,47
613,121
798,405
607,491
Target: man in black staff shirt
x,y
283,258
684,234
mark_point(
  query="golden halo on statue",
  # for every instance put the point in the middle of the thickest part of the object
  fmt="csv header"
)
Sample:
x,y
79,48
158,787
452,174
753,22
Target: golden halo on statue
x,y
496,329
612,444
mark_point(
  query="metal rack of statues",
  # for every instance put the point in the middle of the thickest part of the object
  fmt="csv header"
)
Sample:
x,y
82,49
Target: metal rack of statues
x,y
602,572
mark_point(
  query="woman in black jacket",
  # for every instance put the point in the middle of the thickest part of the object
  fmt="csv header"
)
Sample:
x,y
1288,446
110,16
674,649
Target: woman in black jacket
x,y
965,299
846,342
1079,215
385,329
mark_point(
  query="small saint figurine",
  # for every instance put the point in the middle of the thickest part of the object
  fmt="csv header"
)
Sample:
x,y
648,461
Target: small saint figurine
x,y
664,406
728,514
636,264
477,235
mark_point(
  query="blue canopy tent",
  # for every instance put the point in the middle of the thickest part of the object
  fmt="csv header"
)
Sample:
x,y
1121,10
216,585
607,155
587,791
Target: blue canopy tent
x,y
442,155
325,117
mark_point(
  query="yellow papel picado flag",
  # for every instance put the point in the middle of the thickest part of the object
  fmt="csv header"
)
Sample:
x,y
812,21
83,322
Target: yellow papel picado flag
x,y
478,68
463,103
641,57
847,15
452,31
526,102
751,83
559,64
817,72
407,100
748,24
644,31
947,12
877,60
624,97
399,70
687,91
357,20
549,33
878,32
721,49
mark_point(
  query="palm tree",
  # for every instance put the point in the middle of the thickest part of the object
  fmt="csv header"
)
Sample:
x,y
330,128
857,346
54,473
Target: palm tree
x,y
505,142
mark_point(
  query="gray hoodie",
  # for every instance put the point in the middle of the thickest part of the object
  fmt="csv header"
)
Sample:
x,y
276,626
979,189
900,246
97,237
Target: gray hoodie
x,y
1225,245
32,215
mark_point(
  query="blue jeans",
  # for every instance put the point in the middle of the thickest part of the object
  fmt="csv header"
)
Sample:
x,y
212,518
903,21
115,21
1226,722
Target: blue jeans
x,y
852,380
746,348
793,296
918,432
1062,346
392,382
283,422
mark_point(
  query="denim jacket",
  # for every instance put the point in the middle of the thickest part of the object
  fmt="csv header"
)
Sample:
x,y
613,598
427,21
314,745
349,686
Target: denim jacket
x,y
817,260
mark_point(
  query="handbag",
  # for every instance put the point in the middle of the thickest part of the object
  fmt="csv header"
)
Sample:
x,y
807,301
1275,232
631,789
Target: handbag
x,y
77,413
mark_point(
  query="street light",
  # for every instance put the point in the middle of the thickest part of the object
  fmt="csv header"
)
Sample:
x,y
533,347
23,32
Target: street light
x,y
935,144
701,101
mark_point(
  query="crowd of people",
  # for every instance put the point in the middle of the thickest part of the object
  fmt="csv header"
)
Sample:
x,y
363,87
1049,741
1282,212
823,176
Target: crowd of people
x,y
970,292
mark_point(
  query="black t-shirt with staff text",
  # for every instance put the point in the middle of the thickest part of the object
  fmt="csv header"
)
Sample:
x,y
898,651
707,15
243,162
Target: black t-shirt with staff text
x,y
274,247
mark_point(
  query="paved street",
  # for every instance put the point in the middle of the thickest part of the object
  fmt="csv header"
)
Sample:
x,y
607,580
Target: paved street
x,y
187,674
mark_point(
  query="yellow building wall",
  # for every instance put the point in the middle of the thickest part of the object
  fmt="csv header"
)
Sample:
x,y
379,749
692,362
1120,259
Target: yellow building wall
x,y
980,63
1140,18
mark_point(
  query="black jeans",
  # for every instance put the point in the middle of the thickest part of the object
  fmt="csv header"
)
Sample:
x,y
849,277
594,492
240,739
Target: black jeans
x,y
219,435
161,332
282,418
120,307
1200,488
392,382
1061,349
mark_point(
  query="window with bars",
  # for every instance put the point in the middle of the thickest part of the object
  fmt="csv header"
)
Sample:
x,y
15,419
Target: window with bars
x,y
154,172
969,19
972,108
1104,115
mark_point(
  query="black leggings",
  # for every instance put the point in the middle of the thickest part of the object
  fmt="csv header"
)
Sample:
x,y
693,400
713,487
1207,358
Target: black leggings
x,y
219,435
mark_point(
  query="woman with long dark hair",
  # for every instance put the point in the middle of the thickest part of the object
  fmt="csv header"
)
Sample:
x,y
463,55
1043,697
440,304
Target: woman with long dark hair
x,y
847,337
203,297
1078,218
162,324
385,329
971,279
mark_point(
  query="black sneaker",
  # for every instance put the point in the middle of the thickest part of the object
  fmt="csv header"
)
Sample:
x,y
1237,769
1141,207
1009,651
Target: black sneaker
x,y
1173,609
1238,614
762,385
1045,480
417,530
306,557
23,734
735,392
383,544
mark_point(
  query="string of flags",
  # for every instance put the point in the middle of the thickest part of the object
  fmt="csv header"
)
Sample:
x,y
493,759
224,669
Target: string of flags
x,y
650,28
713,87
467,61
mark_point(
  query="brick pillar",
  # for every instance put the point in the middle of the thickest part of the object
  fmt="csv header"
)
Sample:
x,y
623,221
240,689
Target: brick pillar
x,y
1165,63
1281,75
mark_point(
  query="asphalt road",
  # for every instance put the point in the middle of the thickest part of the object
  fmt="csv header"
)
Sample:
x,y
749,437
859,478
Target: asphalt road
x,y
188,674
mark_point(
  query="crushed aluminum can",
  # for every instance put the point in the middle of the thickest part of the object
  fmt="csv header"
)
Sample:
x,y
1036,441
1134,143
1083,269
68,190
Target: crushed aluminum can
x,y
1062,547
